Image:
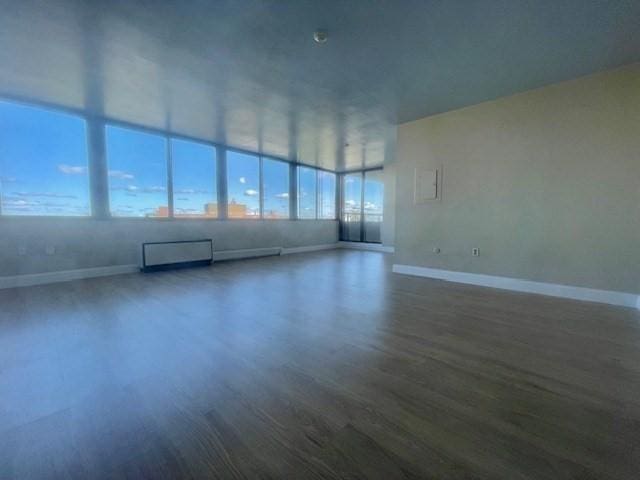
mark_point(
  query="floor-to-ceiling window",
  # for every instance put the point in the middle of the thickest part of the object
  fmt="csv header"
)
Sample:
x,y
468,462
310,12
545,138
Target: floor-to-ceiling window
x,y
57,163
372,205
361,206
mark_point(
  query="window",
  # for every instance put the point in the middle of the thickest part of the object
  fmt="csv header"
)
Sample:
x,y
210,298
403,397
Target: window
x,y
362,204
137,173
326,195
275,189
373,202
306,192
351,207
243,185
195,193
43,162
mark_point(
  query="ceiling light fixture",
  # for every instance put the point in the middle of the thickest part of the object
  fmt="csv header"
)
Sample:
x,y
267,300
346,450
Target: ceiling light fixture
x,y
320,36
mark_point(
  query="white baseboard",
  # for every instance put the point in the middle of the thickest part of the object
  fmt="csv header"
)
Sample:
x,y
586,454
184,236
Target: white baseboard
x,y
528,286
245,253
374,247
64,275
309,248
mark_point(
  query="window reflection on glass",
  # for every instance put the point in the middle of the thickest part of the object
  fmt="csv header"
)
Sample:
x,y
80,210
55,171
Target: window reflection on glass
x,y
243,185
275,186
306,192
137,169
194,179
43,162
326,195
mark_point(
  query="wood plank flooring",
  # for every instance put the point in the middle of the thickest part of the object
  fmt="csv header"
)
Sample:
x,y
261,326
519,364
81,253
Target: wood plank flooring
x,y
318,366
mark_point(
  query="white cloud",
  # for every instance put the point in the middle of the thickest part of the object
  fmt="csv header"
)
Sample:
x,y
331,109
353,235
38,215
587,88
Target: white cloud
x,y
43,194
71,169
242,180
121,175
251,192
18,202
282,195
188,191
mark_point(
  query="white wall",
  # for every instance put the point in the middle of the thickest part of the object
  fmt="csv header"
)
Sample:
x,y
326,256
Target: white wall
x,y
86,243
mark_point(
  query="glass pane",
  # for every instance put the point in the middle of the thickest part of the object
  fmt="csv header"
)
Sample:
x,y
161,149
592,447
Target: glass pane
x,y
327,195
43,162
137,173
275,179
373,203
194,179
243,184
306,192
352,199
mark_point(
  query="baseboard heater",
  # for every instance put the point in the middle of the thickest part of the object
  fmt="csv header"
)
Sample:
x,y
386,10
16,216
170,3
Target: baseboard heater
x,y
168,255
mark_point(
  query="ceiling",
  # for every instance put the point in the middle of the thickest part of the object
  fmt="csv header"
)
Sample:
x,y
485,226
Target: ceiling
x,y
247,73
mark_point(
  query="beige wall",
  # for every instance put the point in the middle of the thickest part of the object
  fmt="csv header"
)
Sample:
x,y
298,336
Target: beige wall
x,y
86,242
546,184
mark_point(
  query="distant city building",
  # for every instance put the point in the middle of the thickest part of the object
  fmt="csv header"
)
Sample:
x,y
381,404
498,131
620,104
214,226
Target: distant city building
x,y
234,210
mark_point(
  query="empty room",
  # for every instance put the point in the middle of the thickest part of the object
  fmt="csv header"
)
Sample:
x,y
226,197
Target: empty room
x,y
320,239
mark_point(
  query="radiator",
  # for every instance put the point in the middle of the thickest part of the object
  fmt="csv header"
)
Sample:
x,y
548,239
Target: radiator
x,y
186,253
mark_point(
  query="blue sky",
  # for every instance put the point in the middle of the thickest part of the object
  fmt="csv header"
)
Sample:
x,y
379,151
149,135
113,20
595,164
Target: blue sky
x,y
276,188
194,177
243,181
43,162
306,192
137,169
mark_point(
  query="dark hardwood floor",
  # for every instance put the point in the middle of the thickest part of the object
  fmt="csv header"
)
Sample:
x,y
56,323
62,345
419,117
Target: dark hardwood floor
x,y
313,366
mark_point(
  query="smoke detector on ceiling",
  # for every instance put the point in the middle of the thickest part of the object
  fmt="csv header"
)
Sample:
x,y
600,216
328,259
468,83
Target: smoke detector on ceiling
x,y
320,36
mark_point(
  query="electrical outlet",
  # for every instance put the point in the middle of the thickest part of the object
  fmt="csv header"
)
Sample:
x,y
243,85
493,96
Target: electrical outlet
x,y
22,251
50,250
475,251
